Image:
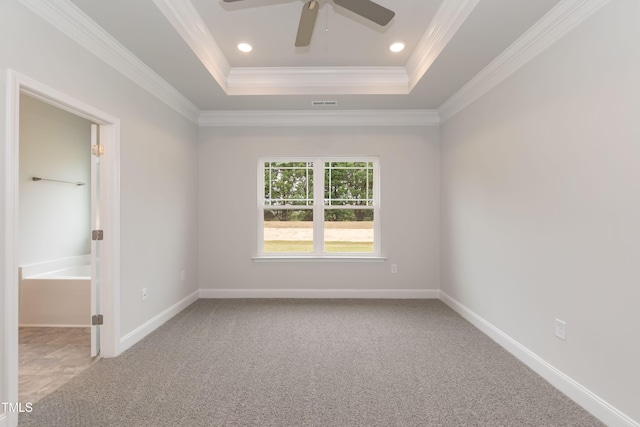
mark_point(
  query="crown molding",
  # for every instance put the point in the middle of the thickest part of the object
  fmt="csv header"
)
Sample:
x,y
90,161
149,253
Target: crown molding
x,y
317,80
184,17
548,30
66,17
445,24
319,118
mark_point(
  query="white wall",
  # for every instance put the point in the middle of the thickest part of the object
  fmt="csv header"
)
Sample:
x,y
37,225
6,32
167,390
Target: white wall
x,y
409,170
158,162
541,201
3,239
55,218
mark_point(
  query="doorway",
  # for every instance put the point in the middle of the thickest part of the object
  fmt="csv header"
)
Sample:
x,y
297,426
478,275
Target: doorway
x,y
56,193
109,247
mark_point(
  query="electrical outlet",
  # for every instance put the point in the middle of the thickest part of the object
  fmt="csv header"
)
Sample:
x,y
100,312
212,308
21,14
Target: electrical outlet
x,y
394,268
182,275
144,294
561,329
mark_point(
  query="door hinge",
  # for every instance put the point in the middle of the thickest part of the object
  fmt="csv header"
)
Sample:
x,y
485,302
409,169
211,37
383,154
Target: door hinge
x,y
97,150
96,319
97,235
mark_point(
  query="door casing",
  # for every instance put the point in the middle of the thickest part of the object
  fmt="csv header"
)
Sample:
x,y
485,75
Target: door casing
x,y
110,222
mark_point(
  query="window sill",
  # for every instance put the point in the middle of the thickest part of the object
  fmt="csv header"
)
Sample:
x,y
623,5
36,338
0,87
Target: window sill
x,y
294,258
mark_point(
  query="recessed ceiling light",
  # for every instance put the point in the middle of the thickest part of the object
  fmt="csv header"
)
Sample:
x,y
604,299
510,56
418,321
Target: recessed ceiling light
x,y
396,46
245,47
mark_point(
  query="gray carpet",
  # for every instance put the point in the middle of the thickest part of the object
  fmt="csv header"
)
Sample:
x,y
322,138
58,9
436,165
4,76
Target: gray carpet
x,y
311,363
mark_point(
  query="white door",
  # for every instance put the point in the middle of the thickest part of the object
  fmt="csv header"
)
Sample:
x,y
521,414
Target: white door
x,y
95,244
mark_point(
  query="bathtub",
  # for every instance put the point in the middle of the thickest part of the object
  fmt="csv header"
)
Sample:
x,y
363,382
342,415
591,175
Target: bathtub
x,y
56,293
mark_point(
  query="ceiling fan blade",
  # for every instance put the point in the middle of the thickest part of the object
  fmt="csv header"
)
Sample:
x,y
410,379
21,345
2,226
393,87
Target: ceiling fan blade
x,y
307,22
368,9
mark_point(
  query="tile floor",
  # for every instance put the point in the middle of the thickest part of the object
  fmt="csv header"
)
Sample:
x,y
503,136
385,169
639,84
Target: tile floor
x,y
49,357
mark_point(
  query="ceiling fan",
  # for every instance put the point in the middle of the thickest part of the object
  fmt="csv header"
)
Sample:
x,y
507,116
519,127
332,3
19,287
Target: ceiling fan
x,y
365,8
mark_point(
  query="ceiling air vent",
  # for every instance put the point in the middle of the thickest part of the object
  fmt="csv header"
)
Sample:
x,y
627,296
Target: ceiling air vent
x,y
324,103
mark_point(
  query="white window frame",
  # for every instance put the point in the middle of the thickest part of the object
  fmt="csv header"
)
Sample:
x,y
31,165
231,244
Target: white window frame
x,y
319,207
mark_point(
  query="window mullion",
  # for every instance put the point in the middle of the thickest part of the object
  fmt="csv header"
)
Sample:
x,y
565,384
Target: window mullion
x,y
318,206
307,183
328,184
366,171
270,181
261,204
377,245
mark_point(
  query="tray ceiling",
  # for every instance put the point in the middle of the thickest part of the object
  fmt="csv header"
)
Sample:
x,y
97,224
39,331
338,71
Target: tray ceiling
x,y
192,45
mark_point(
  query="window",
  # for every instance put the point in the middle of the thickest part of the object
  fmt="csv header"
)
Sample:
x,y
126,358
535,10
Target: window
x,y
318,207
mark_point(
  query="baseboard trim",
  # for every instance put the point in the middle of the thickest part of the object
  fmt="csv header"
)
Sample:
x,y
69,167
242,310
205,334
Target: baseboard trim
x,y
322,293
152,324
578,393
48,325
